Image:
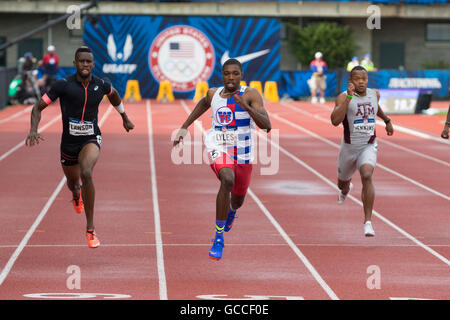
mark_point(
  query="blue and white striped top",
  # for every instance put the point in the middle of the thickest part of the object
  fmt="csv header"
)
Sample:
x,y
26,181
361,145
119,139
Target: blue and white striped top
x,y
232,128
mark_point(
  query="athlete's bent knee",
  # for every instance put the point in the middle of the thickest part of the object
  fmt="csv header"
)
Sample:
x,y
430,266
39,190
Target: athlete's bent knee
x,y
73,185
343,184
86,174
366,174
237,202
227,180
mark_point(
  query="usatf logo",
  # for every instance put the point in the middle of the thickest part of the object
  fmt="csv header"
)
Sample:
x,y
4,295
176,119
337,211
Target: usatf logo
x,y
224,116
119,57
182,55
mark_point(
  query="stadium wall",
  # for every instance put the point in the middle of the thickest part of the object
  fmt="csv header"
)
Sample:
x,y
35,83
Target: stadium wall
x,y
407,26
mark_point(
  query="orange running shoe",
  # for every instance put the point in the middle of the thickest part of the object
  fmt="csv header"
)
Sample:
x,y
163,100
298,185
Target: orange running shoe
x,y
93,241
78,205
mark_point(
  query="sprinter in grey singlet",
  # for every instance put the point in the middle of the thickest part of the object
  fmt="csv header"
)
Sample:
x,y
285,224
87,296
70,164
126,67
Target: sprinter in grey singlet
x,y
357,110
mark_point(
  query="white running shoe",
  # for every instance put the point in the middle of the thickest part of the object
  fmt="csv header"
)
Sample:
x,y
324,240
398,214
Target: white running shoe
x,y
368,230
314,100
322,100
341,196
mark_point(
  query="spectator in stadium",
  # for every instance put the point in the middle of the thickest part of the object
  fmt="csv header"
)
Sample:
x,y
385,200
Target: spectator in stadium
x,y
40,79
367,63
27,74
353,63
50,66
28,62
318,78
26,93
444,133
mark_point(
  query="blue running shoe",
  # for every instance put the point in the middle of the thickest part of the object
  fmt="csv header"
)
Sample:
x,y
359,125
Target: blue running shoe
x,y
216,249
230,219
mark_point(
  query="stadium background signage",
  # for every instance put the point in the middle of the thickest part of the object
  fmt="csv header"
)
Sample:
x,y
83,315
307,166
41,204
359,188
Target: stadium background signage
x,y
182,50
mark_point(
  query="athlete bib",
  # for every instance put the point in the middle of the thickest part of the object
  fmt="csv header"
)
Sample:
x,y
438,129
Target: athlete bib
x,y
80,128
364,126
225,137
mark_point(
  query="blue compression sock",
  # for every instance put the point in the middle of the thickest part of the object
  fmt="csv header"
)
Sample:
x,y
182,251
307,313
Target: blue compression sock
x,y
220,225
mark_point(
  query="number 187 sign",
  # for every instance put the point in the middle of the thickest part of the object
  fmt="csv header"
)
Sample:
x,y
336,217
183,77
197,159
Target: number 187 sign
x,y
401,101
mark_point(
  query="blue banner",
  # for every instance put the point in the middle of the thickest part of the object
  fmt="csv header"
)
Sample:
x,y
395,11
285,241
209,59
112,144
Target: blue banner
x,y
182,50
436,81
294,84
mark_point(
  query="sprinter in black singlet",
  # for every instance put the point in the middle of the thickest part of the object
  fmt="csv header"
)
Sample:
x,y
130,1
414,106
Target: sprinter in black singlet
x,y
80,95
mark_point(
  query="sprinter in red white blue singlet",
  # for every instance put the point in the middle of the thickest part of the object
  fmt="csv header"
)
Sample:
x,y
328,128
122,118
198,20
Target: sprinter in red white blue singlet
x,y
236,111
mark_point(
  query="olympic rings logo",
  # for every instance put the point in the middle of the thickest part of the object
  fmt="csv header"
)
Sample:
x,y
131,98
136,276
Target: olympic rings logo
x,y
182,55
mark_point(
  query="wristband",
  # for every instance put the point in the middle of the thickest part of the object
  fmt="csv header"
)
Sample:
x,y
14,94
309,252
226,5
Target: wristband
x,y
387,121
447,123
120,108
349,96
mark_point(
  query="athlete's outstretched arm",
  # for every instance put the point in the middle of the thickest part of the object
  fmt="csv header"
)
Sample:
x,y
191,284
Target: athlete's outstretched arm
x,y
201,107
33,136
252,102
115,100
385,118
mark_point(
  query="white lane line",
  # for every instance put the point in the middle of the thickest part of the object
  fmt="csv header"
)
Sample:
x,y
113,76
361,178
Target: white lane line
x,y
375,213
420,154
38,220
22,143
112,245
294,248
105,116
30,232
156,213
416,133
331,143
280,230
392,144
15,115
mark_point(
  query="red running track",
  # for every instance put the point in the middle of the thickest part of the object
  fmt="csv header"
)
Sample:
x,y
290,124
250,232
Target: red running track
x,y
155,219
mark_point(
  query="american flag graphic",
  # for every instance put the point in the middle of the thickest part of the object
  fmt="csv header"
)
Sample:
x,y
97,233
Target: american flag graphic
x,y
181,49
